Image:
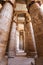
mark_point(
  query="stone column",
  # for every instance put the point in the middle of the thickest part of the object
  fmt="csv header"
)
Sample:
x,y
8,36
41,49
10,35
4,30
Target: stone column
x,y
24,39
5,23
17,40
30,46
21,43
37,22
12,42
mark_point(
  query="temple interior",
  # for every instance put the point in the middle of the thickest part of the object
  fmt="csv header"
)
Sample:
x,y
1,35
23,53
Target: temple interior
x,y
21,32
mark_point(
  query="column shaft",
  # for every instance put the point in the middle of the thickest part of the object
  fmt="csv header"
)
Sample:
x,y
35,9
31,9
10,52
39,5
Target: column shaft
x,y
5,23
12,42
30,46
37,22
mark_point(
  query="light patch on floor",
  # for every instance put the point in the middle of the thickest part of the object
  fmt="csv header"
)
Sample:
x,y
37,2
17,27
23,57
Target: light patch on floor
x,y
21,61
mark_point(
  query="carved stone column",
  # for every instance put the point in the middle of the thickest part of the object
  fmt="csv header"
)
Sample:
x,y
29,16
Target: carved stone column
x,y
30,46
21,43
12,42
5,23
37,22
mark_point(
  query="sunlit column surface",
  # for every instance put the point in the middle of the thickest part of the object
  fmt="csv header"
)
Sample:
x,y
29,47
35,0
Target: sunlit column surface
x,y
5,23
17,40
0,6
32,33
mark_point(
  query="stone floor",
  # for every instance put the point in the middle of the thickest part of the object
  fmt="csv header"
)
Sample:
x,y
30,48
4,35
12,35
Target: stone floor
x,y
21,61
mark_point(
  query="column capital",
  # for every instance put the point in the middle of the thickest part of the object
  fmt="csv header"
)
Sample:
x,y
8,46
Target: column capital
x,y
11,1
32,2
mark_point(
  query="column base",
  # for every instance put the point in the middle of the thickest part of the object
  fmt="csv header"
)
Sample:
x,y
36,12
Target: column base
x,y
11,54
4,61
39,61
32,54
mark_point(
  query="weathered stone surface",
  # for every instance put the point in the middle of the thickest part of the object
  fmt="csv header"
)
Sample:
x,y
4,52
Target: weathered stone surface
x,y
37,21
21,61
12,1
21,41
20,1
12,42
5,23
4,61
29,42
20,7
39,61
20,27
29,1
